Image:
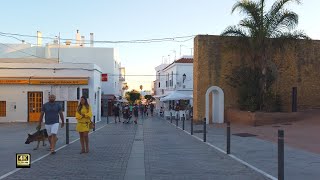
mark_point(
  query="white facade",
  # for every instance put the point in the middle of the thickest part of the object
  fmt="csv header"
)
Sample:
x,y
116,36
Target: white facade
x,y
106,58
160,80
17,80
170,78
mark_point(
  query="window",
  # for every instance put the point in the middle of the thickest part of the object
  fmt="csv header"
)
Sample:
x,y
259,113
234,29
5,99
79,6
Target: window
x,y
85,93
78,93
3,109
72,108
171,78
61,104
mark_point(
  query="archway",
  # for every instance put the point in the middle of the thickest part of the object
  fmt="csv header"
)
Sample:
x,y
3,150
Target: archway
x,y
217,105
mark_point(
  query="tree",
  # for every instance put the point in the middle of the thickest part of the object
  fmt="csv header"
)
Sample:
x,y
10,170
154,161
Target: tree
x,y
258,27
133,96
149,97
126,87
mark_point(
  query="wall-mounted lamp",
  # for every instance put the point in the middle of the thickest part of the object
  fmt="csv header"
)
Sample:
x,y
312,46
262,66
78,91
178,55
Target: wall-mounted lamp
x,y
184,77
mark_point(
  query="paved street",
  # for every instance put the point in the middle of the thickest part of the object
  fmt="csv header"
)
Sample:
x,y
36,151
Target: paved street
x,y
262,154
153,149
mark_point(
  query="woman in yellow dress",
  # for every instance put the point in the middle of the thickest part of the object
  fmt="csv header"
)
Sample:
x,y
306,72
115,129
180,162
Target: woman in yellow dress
x,y
83,116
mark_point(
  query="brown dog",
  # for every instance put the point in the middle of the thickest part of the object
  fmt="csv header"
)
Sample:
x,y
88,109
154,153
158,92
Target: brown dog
x,y
41,135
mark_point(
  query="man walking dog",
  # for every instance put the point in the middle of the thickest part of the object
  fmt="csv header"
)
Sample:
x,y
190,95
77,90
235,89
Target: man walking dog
x,y
51,110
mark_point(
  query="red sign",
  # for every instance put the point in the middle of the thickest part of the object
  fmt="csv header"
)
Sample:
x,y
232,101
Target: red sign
x,y
104,77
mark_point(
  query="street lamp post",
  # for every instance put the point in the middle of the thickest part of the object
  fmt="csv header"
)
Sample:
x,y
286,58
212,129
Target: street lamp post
x,y
180,48
174,54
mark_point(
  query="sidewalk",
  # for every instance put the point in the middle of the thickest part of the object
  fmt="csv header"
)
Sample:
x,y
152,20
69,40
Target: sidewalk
x,y
153,149
13,136
262,154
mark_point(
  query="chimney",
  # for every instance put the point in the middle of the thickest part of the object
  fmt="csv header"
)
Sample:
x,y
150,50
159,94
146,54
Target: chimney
x,y
39,38
78,38
91,39
82,41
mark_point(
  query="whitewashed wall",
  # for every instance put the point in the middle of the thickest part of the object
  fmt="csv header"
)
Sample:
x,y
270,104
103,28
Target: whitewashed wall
x,y
106,58
18,94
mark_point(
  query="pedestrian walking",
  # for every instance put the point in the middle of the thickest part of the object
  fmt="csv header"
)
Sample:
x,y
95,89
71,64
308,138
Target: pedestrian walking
x,y
136,113
83,116
141,109
52,110
146,110
126,114
151,108
116,111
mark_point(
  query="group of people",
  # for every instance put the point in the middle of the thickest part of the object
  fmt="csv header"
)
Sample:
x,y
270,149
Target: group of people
x,y
129,110
52,110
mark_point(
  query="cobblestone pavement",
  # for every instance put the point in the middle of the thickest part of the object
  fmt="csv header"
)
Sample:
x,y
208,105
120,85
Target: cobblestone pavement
x,y
13,136
173,154
168,154
263,154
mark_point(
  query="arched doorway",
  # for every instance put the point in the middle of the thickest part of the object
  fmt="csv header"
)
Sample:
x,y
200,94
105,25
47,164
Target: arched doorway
x,y
217,105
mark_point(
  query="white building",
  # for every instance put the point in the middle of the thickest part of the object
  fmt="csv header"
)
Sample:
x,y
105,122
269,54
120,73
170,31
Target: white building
x,y
177,76
106,58
25,87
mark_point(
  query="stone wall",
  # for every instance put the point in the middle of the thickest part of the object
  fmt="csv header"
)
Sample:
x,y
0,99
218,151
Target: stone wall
x,y
298,65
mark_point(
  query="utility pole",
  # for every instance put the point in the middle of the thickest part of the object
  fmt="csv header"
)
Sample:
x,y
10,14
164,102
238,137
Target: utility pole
x,y
59,49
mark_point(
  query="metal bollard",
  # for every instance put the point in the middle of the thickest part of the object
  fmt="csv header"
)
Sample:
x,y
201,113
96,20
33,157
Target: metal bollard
x,y
94,122
177,122
228,137
204,130
67,131
183,119
171,117
191,126
280,155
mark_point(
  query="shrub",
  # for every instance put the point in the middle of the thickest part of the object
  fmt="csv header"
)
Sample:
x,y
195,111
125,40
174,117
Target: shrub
x,y
251,98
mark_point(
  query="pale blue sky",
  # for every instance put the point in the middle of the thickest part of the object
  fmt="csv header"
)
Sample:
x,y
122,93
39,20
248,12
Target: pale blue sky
x,y
131,20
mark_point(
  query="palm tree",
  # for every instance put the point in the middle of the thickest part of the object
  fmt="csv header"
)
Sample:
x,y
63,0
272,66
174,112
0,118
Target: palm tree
x,y
259,26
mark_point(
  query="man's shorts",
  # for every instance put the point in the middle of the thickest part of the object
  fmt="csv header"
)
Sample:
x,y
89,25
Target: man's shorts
x,y
52,128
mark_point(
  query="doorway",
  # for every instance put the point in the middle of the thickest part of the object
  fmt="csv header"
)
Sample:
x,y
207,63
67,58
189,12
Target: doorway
x,y
35,101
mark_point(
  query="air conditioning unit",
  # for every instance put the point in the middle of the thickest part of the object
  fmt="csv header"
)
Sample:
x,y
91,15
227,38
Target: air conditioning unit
x,y
184,86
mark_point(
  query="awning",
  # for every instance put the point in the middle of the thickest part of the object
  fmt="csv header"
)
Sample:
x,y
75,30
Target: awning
x,y
161,95
176,96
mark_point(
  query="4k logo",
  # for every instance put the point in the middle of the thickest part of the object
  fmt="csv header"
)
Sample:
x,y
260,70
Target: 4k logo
x,y
23,160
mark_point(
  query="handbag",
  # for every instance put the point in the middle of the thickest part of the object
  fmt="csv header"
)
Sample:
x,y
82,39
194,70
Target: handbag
x,y
91,125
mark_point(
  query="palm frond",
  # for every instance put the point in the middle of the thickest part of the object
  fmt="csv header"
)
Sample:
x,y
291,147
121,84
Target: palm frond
x,y
249,25
249,8
278,5
291,35
284,20
234,31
